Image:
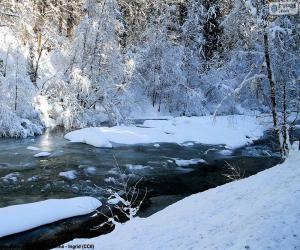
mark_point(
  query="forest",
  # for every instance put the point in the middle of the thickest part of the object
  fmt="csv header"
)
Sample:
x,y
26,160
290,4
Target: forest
x,y
84,63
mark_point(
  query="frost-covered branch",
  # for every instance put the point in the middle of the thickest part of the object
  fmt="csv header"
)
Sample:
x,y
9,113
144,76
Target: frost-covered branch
x,y
237,90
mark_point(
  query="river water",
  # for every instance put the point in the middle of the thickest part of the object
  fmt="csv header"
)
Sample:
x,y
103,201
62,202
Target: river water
x,y
25,178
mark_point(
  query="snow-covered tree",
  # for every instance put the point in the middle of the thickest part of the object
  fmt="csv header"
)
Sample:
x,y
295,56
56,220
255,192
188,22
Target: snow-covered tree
x,y
80,63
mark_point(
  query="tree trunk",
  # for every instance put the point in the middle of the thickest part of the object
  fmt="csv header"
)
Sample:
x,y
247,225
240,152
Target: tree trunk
x,y
285,143
5,64
272,88
70,20
17,80
270,77
16,97
60,19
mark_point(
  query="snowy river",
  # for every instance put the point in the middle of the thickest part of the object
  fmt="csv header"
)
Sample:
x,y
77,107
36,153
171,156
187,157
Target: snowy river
x,y
73,169
169,171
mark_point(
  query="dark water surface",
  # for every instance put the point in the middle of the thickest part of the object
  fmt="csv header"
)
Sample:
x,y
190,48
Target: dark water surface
x,y
24,178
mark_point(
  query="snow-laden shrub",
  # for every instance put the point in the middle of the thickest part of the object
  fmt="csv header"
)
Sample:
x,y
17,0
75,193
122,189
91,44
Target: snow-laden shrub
x,y
12,125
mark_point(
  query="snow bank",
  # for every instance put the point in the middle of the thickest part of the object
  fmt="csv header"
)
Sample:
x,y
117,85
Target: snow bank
x,y
15,219
260,212
91,136
235,131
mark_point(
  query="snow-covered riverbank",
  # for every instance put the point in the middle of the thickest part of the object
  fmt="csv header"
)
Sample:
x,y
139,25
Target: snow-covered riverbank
x,y
15,219
260,212
234,131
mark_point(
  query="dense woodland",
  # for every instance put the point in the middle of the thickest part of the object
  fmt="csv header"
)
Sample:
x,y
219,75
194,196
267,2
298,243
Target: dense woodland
x,y
79,63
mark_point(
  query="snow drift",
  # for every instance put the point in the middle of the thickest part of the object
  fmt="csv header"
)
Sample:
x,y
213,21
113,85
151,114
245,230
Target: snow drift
x,y
234,131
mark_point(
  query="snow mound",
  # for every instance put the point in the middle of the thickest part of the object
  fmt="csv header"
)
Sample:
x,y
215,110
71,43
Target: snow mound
x,y
70,175
91,136
234,131
136,167
12,177
187,144
184,163
225,152
254,213
16,219
42,154
110,179
33,148
90,170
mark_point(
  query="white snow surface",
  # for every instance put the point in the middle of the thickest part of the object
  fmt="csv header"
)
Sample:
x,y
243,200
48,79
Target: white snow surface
x,y
136,167
234,131
33,148
260,212
225,152
184,163
90,170
42,154
70,175
19,218
12,177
